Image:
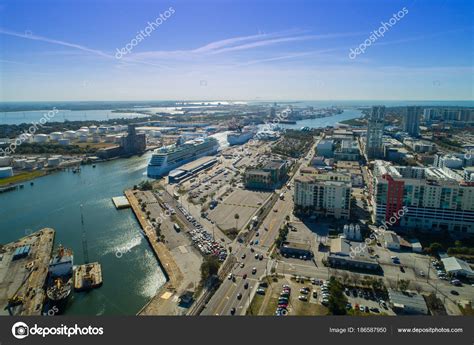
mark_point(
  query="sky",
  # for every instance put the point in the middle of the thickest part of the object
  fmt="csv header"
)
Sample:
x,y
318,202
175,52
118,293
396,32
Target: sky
x,y
236,50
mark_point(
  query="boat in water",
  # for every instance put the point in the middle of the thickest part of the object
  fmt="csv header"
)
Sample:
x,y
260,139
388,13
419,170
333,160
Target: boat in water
x,y
167,158
240,137
59,282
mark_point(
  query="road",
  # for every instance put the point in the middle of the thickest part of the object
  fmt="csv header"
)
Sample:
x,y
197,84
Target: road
x,y
225,298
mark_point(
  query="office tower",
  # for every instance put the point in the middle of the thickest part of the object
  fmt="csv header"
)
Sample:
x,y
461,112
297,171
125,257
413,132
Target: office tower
x,y
373,146
411,121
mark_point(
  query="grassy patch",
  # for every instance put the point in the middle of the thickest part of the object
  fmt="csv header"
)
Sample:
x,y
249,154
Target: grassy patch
x,y
256,304
467,310
271,306
309,309
22,177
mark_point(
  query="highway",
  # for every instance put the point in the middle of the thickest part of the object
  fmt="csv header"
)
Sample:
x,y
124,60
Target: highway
x,y
225,298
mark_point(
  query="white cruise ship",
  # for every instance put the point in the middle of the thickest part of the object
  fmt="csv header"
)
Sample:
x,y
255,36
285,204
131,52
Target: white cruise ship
x,y
240,137
170,157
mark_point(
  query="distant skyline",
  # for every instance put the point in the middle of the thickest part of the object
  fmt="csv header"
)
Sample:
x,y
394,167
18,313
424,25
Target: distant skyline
x,y
220,50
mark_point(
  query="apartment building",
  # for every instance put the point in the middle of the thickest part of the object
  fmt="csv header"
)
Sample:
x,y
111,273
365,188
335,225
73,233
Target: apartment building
x,y
323,197
437,199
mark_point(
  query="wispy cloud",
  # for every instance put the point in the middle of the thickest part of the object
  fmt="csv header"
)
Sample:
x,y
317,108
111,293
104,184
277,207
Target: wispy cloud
x,y
100,53
34,37
240,43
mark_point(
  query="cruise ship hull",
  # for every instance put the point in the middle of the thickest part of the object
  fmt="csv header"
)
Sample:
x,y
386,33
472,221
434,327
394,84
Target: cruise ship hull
x,y
158,171
239,138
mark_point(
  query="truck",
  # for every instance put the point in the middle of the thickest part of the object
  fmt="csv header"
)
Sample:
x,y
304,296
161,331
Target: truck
x,y
282,196
177,227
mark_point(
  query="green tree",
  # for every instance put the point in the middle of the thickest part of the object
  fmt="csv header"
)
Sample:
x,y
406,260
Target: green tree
x,y
337,299
236,217
209,267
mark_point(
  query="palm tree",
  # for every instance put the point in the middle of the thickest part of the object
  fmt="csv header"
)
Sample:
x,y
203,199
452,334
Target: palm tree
x,y
236,217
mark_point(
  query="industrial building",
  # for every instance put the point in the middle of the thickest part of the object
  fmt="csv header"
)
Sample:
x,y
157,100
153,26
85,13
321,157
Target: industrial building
x,y
297,246
345,254
191,169
270,176
325,148
457,267
407,303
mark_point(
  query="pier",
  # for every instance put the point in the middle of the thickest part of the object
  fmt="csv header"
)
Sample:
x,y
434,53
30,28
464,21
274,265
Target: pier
x,y
163,302
24,264
120,202
87,277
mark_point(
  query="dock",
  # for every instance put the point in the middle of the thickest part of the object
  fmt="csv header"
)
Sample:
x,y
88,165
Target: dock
x,y
120,202
158,305
87,277
23,270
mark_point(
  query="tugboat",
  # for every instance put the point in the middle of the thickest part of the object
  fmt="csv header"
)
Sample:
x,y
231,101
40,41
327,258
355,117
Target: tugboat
x,y
59,283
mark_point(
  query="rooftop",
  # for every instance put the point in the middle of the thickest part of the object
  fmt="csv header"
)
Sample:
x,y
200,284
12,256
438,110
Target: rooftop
x,y
455,264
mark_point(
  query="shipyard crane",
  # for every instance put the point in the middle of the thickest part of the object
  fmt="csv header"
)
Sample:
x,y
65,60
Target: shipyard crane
x,y
84,240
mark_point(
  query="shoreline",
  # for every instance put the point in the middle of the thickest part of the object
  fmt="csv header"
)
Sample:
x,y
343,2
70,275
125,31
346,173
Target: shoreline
x,y
173,275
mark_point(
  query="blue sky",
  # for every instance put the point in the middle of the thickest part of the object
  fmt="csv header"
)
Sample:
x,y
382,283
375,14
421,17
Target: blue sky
x,y
236,50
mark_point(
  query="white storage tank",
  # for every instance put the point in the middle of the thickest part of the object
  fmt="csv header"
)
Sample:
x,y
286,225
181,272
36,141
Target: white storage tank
x,y
64,142
83,138
41,138
156,134
70,134
54,161
6,172
96,138
82,131
93,129
102,130
30,164
19,163
28,138
109,138
5,161
55,136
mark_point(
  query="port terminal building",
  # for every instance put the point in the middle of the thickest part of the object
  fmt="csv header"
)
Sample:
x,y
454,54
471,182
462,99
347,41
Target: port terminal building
x,y
191,169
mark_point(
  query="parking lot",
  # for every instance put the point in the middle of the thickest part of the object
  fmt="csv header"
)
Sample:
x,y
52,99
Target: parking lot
x,y
245,203
284,296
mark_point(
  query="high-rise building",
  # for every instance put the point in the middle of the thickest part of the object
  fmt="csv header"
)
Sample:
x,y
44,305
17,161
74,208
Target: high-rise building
x,y
328,198
133,142
411,121
429,114
432,199
375,124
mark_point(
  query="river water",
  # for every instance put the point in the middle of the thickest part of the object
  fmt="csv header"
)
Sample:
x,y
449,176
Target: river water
x,y
130,270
